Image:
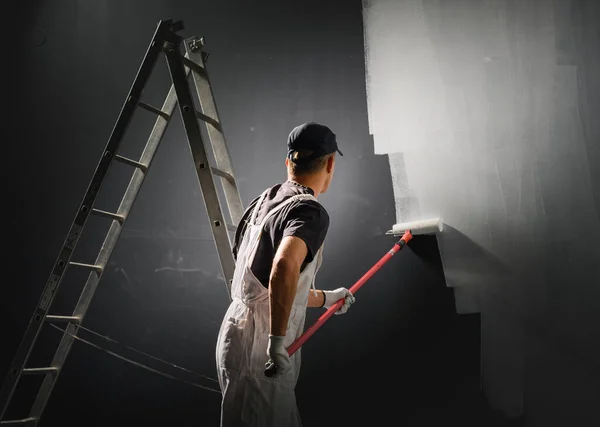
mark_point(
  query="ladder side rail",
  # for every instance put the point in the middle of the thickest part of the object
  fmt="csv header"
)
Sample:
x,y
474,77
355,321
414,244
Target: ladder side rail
x,y
202,167
215,133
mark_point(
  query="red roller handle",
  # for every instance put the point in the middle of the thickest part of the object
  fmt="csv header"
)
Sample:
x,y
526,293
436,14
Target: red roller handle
x,y
270,368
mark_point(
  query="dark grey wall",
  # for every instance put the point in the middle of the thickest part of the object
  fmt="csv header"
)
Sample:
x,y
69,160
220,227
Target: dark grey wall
x,y
489,113
272,66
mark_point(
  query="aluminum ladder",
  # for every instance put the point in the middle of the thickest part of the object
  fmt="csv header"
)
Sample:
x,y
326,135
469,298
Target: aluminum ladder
x,y
167,41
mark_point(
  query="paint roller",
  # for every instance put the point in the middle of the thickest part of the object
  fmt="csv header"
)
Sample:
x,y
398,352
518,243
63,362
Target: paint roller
x,y
407,230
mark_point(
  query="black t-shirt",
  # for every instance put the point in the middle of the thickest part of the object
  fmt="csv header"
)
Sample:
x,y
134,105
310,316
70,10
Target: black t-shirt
x,y
305,219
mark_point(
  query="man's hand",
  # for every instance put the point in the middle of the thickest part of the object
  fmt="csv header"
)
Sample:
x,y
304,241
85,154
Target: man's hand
x,y
331,297
278,355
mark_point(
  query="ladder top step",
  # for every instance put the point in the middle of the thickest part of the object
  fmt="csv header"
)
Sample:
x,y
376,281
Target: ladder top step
x,y
198,69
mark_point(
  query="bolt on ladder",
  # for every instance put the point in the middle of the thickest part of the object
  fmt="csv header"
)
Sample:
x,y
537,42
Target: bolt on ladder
x,y
165,40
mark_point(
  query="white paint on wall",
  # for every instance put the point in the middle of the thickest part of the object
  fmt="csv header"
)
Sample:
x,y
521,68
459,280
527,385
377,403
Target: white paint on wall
x,y
480,118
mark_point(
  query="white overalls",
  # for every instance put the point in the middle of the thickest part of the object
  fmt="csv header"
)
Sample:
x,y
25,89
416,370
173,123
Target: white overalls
x,y
249,397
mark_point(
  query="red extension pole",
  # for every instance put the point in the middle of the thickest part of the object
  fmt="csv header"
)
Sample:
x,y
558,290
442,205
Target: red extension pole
x,y
335,307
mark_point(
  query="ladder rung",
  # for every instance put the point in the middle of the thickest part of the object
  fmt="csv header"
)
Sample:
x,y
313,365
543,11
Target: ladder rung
x,y
40,371
96,268
222,174
109,215
207,119
22,422
194,67
154,110
130,162
62,319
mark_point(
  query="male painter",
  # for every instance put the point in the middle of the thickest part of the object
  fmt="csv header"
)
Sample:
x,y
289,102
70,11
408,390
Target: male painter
x,y
278,251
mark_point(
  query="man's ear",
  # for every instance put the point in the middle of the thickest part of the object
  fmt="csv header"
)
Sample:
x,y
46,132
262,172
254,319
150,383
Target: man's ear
x,y
330,162
287,162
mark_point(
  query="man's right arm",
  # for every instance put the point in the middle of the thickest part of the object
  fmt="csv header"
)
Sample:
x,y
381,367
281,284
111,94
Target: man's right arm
x,y
283,282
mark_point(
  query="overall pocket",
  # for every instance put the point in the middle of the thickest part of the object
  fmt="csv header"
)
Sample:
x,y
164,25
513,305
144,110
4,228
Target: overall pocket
x,y
231,346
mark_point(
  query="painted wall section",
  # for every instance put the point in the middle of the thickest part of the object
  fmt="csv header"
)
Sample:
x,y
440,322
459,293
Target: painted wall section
x,y
488,112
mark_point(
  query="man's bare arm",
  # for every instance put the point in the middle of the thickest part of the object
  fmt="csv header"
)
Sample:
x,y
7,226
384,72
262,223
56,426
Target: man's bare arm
x,y
283,281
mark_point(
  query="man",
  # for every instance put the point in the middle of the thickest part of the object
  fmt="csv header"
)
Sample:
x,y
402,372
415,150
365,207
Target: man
x,y
278,251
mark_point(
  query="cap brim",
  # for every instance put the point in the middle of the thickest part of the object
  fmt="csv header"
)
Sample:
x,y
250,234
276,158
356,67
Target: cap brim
x,y
341,154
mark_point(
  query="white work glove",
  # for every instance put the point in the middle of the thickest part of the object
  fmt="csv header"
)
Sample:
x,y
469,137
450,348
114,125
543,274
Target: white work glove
x,y
331,297
278,354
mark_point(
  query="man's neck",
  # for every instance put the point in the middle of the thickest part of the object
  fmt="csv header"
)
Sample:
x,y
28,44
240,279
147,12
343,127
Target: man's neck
x,y
308,182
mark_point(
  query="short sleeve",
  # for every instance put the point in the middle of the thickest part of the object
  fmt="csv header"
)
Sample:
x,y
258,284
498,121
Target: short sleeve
x,y
308,221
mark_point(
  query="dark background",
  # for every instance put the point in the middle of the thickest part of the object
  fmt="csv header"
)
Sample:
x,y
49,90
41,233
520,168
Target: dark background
x,y
401,356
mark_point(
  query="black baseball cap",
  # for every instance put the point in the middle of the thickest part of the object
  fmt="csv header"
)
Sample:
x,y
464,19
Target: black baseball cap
x,y
312,136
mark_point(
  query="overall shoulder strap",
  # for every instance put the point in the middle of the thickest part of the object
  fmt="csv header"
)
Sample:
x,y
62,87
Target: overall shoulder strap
x,y
257,206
